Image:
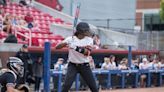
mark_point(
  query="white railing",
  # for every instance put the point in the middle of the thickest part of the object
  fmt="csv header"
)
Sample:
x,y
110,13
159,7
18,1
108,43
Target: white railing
x,y
29,37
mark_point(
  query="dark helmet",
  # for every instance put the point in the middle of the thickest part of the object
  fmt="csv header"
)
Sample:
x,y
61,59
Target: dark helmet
x,y
82,28
16,65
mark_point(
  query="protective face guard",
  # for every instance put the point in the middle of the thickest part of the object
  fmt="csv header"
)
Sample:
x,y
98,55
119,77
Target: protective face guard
x,y
17,66
21,70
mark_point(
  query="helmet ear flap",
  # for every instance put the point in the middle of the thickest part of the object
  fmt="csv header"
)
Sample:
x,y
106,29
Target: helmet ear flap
x,y
8,65
14,68
16,65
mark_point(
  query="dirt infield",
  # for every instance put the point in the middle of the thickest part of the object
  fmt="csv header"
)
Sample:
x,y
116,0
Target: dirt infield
x,y
159,89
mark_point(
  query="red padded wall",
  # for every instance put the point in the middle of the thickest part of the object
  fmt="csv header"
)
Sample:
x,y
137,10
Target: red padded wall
x,y
52,3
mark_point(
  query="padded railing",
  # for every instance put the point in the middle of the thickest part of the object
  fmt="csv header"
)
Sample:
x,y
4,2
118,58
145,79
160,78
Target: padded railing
x,y
29,37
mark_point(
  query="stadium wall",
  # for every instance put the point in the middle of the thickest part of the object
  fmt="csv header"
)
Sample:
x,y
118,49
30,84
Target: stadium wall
x,y
52,12
67,30
7,50
117,38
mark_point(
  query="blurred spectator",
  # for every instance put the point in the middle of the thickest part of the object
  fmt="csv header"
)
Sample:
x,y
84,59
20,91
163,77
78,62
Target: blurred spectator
x,y
58,66
144,65
123,64
112,62
25,3
96,41
103,77
22,22
2,12
3,2
35,26
91,62
38,72
11,39
22,3
155,64
29,19
15,20
30,3
24,55
135,63
7,24
106,64
1,22
105,46
162,63
129,77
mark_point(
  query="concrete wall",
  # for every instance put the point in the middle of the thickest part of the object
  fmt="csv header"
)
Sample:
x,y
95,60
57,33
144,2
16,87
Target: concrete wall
x,y
7,50
117,38
107,36
65,31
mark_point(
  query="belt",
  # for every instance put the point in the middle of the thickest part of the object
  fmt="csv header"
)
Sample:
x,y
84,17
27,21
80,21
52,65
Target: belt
x,y
82,64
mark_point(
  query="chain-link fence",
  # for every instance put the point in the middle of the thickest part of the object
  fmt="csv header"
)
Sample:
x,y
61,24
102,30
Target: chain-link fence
x,y
151,40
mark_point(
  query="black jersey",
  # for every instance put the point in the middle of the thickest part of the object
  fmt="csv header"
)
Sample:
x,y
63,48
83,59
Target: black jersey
x,y
24,56
7,79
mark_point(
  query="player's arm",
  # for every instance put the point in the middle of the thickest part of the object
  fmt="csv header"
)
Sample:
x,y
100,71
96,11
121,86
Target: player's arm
x,y
22,88
61,45
10,89
64,43
86,50
10,82
83,50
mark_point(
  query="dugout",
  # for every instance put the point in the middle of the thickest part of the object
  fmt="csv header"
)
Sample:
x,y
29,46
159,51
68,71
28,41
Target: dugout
x,y
98,56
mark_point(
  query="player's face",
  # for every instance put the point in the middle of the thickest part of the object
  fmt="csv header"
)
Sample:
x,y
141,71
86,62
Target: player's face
x,y
87,33
18,67
25,49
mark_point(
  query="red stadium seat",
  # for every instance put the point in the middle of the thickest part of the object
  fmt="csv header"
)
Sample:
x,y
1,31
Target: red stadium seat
x,y
34,35
46,40
3,34
22,42
44,22
1,6
41,42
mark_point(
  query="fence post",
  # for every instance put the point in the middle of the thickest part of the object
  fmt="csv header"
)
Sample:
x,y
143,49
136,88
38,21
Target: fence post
x,y
129,56
60,79
108,24
46,67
